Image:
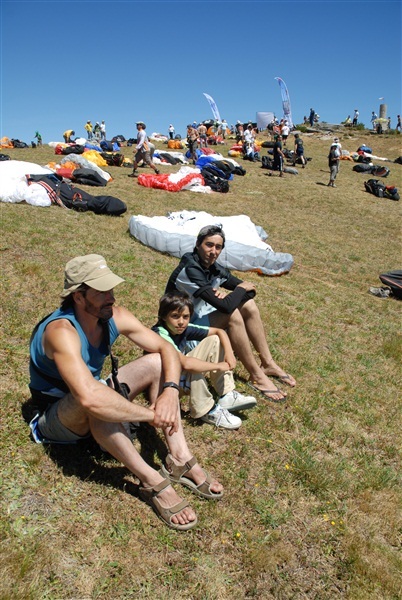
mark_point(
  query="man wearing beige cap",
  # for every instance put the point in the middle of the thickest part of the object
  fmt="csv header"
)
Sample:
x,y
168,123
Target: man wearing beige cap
x,y
68,349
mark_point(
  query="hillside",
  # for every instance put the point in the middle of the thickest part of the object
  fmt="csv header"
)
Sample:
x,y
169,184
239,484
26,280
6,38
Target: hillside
x,y
313,490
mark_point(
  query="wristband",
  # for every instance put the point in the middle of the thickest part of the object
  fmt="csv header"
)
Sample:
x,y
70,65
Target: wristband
x,y
171,384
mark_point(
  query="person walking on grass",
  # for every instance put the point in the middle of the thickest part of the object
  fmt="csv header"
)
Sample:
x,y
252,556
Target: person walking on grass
x,y
212,354
142,150
298,153
279,156
192,141
38,138
68,349
199,274
333,163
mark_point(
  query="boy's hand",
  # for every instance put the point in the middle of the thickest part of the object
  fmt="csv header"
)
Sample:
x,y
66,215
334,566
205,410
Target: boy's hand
x,y
230,359
221,366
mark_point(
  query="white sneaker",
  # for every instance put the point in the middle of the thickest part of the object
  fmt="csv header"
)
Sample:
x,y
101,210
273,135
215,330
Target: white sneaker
x,y
220,417
235,401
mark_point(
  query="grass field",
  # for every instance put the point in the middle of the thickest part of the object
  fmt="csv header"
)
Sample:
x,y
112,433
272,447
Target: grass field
x,y
313,491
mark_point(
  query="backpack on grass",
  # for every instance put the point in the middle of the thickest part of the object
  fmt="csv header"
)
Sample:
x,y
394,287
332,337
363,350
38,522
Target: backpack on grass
x,y
373,186
113,159
362,168
216,183
379,171
393,280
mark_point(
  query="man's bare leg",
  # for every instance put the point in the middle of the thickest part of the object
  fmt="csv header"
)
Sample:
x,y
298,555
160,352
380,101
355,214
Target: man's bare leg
x,y
236,329
255,330
113,438
143,373
147,371
181,453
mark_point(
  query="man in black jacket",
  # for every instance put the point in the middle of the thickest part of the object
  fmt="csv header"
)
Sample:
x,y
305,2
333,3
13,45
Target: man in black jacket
x,y
201,277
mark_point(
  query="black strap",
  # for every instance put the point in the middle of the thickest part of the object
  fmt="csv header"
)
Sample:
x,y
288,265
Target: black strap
x,y
58,383
121,388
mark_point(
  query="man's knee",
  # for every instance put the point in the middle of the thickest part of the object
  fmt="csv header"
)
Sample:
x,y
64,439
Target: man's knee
x,y
249,308
235,319
139,374
150,362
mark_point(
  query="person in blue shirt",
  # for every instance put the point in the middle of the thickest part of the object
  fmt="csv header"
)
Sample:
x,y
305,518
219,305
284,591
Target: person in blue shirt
x,y
212,354
67,353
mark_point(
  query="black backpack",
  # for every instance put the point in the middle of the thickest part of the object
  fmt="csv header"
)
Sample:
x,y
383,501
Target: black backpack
x,y
379,171
73,149
19,144
113,159
373,186
88,177
216,183
267,163
393,279
362,168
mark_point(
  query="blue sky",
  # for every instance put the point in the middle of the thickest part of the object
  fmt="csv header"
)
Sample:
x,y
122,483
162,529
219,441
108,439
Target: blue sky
x,y
65,62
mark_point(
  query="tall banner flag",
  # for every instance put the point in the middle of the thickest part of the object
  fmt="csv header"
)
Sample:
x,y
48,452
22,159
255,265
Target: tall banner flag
x,y
287,113
214,108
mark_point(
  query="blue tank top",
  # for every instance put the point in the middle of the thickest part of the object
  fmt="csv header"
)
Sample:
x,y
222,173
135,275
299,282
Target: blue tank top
x,y
93,357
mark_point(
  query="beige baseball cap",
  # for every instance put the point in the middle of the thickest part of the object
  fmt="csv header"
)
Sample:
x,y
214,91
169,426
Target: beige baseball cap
x,y
91,270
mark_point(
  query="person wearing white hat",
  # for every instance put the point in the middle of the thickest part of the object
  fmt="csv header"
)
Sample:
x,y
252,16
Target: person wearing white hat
x,y
103,130
171,131
68,349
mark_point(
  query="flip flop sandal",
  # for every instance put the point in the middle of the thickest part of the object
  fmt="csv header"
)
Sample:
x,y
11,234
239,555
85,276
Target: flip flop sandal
x,y
176,473
150,496
266,394
283,379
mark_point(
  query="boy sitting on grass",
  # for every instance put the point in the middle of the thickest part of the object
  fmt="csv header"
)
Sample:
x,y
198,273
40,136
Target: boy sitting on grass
x,y
213,353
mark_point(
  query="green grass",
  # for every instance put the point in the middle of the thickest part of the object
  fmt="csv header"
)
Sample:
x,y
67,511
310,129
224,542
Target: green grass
x,y
312,504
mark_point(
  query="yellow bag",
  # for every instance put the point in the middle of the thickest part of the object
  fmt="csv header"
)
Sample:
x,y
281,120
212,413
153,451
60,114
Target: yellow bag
x,y
95,157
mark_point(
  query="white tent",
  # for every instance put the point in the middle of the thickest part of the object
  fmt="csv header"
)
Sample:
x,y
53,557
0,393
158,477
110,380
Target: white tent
x,y
245,248
263,118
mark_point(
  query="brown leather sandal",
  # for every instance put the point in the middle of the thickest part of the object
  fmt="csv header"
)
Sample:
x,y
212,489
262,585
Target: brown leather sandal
x,y
176,473
150,496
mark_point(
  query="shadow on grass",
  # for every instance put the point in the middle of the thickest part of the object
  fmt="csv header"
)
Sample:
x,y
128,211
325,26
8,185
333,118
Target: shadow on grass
x,y
86,460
